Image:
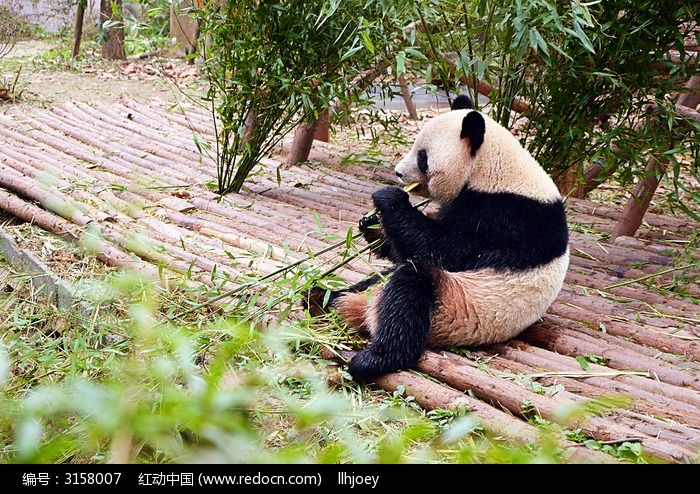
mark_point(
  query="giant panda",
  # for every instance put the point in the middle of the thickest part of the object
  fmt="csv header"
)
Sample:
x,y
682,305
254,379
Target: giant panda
x,y
481,270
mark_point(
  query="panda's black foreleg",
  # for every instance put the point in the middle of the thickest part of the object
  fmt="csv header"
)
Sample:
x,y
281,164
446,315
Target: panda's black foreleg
x,y
316,296
370,227
405,309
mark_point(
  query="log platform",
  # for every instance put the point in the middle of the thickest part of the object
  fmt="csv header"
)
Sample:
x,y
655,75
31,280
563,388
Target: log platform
x,y
134,175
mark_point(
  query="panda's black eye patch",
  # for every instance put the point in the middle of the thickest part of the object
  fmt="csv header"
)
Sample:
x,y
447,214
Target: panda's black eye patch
x,y
423,161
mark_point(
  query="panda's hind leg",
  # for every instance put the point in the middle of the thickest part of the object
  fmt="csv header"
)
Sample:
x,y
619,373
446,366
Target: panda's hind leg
x,y
356,310
316,296
403,321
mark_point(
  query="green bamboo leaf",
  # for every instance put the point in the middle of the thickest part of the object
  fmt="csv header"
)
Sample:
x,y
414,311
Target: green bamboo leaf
x,y
541,43
417,54
368,42
583,38
400,62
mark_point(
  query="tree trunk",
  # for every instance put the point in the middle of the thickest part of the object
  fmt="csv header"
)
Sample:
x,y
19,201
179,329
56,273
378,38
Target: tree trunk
x,y
184,27
567,181
113,44
593,176
303,140
79,16
406,94
633,214
250,124
323,128
571,184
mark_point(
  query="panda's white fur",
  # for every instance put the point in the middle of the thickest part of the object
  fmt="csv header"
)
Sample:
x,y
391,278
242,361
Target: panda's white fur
x,y
486,306
501,165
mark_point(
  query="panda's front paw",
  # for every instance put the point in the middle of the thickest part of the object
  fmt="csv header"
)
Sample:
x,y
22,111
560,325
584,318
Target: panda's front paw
x,y
313,301
389,199
373,234
368,221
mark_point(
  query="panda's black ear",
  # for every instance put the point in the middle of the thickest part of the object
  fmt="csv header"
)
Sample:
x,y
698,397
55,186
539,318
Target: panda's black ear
x,y
473,128
462,102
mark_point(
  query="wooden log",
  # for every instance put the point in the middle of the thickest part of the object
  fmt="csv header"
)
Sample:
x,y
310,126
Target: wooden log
x,y
591,387
100,113
150,146
627,311
630,331
598,283
432,395
172,118
126,154
122,174
662,429
557,339
57,203
576,328
105,252
511,396
527,352
71,210
680,225
182,220
179,219
102,211
131,118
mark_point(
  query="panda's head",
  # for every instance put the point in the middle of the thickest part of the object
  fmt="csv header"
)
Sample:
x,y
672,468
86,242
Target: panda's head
x,y
443,155
466,148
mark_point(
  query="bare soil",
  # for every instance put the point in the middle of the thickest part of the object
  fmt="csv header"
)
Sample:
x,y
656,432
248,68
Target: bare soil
x,y
47,77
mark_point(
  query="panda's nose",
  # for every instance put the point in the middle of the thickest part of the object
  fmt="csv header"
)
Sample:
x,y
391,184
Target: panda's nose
x,y
399,174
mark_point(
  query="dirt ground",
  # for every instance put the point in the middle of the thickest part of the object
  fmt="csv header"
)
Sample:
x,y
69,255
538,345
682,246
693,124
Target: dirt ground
x,y
46,76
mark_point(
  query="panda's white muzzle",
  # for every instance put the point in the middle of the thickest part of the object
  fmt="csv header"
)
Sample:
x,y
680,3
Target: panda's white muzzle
x,y
407,170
